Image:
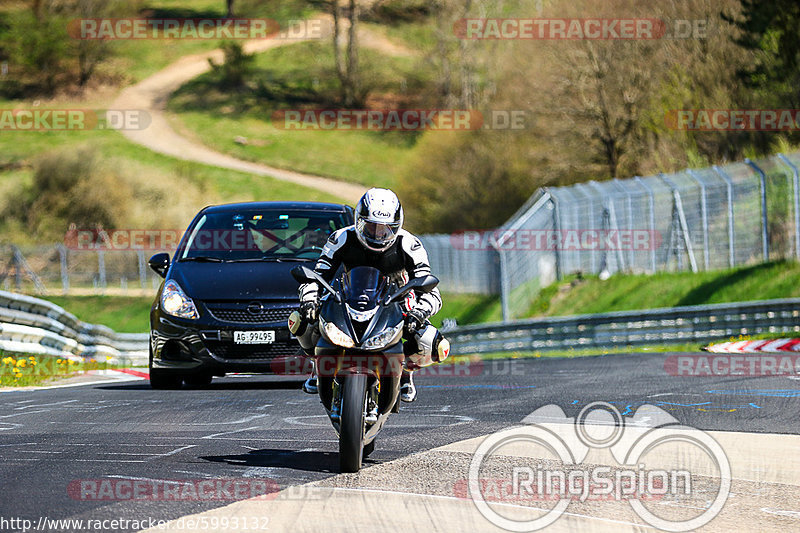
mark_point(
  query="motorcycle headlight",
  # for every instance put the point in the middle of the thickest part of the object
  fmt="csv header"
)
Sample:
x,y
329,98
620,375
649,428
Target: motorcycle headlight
x,y
175,302
337,336
384,338
361,316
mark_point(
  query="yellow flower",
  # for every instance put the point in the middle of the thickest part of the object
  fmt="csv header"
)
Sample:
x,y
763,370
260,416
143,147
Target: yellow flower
x,y
34,363
9,361
32,358
59,361
70,362
21,363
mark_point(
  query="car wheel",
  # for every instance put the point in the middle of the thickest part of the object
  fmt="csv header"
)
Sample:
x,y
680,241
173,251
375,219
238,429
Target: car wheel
x,y
198,380
163,380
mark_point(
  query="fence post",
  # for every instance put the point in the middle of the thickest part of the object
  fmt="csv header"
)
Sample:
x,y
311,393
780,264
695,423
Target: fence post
x,y
652,208
101,269
703,214
731,231
677,209
796,190
62,253
629,205
556,229
503,282
15,260
764,235
142,269
590,202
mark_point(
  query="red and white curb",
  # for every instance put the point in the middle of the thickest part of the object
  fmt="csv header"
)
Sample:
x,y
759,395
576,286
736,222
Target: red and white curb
x,y
760,346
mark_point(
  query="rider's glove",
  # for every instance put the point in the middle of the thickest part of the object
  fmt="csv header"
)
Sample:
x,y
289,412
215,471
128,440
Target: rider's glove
x,y
309,310
414,320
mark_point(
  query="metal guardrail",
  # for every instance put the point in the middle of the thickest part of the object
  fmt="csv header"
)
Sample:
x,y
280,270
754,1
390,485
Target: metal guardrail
x,y
630,328
33,326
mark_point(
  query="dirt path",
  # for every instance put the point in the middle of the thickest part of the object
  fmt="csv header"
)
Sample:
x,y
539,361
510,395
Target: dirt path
x,y
151,95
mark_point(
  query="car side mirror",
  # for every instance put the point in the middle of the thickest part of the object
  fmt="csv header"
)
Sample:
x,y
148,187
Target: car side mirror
x,y
426,284
160,264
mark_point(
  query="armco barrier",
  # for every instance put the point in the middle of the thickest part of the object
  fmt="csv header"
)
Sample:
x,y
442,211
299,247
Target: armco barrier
x,y
630,328
33,326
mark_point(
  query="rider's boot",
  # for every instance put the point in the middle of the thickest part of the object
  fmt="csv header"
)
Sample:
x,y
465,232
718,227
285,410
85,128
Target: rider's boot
x,y
408,392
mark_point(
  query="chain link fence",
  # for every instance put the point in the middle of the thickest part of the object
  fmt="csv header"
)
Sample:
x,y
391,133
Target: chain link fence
x,y
57,269
705,219
698,219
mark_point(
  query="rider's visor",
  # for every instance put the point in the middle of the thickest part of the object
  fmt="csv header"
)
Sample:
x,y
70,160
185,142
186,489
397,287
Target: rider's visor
x,y
378,233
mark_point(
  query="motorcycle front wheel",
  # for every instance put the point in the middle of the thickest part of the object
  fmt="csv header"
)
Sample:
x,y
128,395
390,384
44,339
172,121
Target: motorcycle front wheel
x,y
351,432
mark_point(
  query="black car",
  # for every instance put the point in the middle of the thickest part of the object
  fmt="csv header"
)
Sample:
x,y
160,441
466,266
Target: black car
x,y
228,291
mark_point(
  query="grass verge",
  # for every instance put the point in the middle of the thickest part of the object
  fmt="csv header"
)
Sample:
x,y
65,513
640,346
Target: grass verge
x,y
626,292
123,314
302,76
21,371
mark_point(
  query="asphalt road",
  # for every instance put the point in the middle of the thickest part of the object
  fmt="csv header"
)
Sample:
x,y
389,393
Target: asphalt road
x,y
263,427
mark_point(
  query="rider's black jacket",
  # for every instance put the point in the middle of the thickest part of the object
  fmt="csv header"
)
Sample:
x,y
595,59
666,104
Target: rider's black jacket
x,y
404,260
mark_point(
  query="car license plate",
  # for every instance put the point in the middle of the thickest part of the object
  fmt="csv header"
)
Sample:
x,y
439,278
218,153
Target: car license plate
x,y
253,337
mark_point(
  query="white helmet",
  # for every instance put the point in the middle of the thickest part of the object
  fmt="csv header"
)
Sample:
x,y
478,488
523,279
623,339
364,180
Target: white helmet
x,y
379,217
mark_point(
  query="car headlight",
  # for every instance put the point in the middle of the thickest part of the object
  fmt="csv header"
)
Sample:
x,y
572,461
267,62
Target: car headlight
x,y
383,339
175,302
337,336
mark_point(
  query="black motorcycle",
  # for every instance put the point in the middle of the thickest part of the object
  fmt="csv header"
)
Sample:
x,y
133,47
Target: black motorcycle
x,y
358,353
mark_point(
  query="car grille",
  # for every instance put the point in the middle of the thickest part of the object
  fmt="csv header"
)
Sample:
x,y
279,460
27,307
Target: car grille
x,y
242,316
229,350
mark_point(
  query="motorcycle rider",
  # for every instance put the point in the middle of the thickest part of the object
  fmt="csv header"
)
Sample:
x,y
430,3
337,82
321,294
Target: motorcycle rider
x,y
377,240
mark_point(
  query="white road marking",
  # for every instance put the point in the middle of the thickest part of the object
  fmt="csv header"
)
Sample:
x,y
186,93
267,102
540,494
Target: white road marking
x,y
45,404
109,460
781,512
459,419
173,452
215,435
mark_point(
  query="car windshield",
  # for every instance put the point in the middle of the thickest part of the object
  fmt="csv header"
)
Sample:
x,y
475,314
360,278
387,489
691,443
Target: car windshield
x,y
260,235
364,287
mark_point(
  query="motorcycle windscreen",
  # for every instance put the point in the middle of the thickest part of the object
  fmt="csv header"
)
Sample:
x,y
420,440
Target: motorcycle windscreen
x,y
364,287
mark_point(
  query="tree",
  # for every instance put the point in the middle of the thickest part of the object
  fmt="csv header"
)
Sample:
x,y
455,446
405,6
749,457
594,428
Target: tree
x,y
770,29
229,9
346,57
40,46
235,68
